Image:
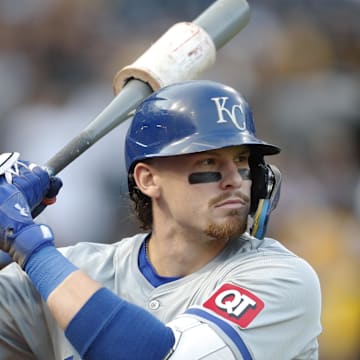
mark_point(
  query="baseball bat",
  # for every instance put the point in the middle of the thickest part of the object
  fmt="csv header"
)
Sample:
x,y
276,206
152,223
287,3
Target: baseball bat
x,y
180,54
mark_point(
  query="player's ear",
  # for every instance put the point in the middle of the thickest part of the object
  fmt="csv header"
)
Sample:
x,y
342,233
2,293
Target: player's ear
x,y
145,178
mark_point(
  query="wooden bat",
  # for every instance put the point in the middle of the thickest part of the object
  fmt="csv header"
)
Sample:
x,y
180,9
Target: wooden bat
x,y
182,53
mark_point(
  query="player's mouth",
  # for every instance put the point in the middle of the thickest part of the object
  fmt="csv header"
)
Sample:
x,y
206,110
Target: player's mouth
x,y
233,201
231,204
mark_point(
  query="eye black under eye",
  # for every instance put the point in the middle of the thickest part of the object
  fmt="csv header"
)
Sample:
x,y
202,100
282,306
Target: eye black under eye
x,y
245,173
204,177
214,176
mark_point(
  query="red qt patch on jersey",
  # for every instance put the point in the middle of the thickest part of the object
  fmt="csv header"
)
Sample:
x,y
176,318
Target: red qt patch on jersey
x,y
235,304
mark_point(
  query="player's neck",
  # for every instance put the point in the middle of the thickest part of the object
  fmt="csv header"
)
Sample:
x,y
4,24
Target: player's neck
x,y
175,254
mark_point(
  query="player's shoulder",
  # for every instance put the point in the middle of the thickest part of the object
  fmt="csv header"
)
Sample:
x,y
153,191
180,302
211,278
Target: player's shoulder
x,y
283,260
269,262
263,284
265,250
87,255
97,248
266,247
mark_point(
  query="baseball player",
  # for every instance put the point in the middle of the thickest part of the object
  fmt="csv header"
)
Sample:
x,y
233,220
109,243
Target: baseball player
x,y
201,281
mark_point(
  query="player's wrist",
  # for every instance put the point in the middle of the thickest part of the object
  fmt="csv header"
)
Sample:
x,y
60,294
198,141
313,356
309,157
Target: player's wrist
x,y
28,241
47,269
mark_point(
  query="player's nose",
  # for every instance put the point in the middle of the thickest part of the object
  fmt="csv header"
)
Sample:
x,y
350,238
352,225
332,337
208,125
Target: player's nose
x,y
233,177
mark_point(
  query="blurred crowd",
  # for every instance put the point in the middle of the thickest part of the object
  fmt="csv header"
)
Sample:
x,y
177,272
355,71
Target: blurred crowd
x,y
298,65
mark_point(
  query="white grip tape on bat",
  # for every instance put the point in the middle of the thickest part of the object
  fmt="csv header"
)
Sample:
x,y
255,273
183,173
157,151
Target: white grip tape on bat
x,y
182,53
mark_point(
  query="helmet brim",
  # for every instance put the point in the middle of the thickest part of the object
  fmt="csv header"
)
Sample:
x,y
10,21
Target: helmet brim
x,y
198,143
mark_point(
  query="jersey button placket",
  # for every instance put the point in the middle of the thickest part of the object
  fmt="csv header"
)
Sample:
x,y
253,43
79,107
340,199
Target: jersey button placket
x,y
154,304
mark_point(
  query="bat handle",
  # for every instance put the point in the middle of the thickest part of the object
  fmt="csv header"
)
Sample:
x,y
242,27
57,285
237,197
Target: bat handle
x,y
115,113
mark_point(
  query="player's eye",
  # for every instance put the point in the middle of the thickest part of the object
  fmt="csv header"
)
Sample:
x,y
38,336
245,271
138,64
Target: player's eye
x,y
207,162
242,159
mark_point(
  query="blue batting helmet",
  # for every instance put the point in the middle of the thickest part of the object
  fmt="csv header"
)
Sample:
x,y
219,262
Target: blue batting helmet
x,y
190,117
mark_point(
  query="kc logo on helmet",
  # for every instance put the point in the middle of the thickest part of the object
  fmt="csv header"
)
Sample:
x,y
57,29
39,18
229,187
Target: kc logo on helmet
x,y
235,304
236,113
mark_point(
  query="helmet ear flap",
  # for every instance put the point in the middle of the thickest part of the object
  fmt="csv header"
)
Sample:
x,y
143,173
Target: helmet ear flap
x,y
259,176
265,194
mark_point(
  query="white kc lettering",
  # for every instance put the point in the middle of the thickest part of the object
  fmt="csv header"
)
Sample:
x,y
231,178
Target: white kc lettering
x,y
234,302
224,112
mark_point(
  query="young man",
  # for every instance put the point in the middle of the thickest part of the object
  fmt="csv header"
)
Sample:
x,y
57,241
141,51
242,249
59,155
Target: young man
x,y
196,284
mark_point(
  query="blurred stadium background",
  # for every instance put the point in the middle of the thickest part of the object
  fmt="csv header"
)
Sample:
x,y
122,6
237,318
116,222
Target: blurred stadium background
x,y
297,63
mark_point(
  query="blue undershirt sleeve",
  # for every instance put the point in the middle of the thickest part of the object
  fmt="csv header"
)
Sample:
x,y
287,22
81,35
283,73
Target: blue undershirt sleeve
x,y
47,269
107,327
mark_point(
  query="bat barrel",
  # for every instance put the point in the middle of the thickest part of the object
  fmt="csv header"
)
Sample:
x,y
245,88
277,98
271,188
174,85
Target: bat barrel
x,y
224,19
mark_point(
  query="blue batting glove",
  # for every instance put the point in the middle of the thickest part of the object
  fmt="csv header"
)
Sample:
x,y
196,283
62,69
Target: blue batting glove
x,y
20,237
32,180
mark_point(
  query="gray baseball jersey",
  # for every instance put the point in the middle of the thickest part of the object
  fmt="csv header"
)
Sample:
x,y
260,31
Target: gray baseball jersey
x,y
268,295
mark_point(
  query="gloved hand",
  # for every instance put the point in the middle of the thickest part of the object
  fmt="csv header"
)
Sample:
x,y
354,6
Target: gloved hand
x,y
19,235
33,181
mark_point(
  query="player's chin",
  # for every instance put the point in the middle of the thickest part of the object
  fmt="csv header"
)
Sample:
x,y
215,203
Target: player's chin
x,y
238,213
231,227
234,216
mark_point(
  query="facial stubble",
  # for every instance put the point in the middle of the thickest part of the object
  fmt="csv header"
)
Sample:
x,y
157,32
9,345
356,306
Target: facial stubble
x,y
233,227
